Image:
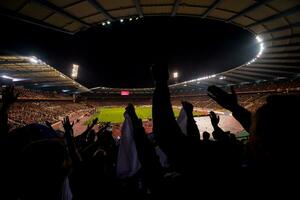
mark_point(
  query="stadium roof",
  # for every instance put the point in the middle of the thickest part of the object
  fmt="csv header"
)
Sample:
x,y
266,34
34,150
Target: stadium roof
x,y
277,22
35,74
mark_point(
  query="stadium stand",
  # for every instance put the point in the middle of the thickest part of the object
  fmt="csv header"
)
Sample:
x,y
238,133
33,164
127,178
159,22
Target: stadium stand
x,y
38,162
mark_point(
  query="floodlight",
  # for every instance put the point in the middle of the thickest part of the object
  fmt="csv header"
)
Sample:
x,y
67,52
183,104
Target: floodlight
x,y
75,71
175,75
33,60
259,39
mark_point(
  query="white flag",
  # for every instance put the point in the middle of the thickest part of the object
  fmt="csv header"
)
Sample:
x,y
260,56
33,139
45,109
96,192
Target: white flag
x,y
128,163
66,191
182,121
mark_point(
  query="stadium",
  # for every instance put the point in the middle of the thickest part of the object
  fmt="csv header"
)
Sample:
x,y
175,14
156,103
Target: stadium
x,y
250,57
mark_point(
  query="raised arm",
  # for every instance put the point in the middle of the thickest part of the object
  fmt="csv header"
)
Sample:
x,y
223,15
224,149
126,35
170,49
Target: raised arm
x,y
146,152
218,133
165,127
230,102
70,140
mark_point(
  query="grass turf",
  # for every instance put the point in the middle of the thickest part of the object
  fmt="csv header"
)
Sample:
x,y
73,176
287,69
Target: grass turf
x,y
115,114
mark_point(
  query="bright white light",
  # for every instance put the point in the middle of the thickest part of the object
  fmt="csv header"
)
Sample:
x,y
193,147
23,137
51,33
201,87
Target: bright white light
x,y
108,22
261,46
222,77
130,19
121,20
65,90
259,39
103,23
75,71
11,78
33,60
136,18
6,77
175,75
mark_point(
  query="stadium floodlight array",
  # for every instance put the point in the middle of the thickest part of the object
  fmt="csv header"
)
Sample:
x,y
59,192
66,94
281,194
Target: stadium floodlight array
x,y
175,75
75,71
195,80
122,20
261,49
11,78
35,60
221,76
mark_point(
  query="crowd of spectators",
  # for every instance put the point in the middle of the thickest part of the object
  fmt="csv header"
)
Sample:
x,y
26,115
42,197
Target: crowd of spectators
x,y
39,94
171,162
27,112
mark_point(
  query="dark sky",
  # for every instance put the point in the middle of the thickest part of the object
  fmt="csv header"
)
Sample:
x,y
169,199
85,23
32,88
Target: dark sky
x,y
119,55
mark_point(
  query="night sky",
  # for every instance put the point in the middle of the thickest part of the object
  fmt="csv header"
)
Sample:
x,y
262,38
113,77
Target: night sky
x,y
119,54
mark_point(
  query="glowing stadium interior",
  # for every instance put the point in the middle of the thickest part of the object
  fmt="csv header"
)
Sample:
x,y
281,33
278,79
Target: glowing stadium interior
x,y
276,24
72,135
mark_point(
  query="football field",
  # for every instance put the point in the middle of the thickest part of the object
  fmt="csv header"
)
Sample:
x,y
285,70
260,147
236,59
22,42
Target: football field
x,y
115,114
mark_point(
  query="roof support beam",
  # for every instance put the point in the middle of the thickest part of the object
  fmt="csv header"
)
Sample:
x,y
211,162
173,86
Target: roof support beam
x,y
99,7
231,80
138,7
30,20
175,7
54,8
211,8
242,76
22,5
286,45
255,74
18,72
281,28
274,17
276,61
283,38
269,70
281,55
249,9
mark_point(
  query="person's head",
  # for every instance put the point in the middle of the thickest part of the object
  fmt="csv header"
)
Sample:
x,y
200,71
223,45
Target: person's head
x,y
206,136
275,130
43,168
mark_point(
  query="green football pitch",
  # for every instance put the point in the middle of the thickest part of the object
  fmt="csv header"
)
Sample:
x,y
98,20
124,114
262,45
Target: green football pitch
x,y
115,114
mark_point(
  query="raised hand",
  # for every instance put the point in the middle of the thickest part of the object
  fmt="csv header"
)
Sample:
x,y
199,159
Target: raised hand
x,y
9,96
130,110
224,99
188,107
94,122
214,119
67,125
